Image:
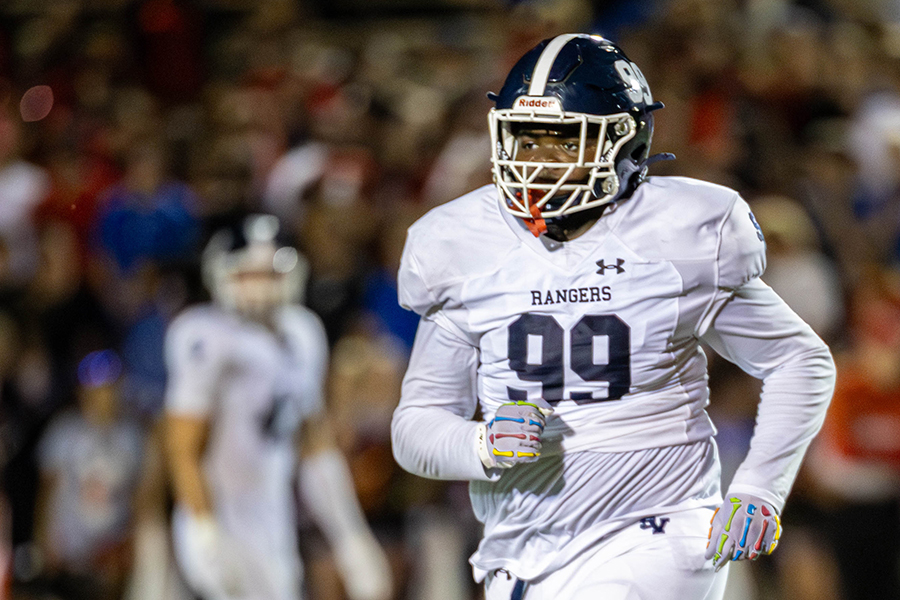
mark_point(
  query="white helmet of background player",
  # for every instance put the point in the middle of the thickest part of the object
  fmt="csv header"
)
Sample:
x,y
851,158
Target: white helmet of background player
x,y
249,268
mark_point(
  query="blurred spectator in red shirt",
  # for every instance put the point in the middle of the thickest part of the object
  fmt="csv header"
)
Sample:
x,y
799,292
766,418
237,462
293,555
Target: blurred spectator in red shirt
x,y
854,466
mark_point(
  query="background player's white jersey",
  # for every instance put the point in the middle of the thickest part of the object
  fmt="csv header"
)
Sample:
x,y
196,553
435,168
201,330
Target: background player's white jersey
x,y
606,326
255,386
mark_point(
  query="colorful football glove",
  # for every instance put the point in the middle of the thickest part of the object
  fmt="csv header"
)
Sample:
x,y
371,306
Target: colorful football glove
x,y
743,528
514,434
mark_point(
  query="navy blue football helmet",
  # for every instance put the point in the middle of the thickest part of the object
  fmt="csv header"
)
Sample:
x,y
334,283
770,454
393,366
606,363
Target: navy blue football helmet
x,y
585,85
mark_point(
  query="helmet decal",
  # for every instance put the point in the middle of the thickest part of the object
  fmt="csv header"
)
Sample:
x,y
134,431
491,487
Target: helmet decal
x,y
638,89
538,104
545,63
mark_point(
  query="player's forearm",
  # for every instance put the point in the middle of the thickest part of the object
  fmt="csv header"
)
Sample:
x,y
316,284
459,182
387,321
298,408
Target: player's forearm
x,y
188,486
433,442
792,409
326,484
184,443
760,333
432,432
326,487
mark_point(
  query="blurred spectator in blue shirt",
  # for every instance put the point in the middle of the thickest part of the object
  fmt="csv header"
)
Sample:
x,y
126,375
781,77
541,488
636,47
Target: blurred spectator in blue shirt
x,y
147,217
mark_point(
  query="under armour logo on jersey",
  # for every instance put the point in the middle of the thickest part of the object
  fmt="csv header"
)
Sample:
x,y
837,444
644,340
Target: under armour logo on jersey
x,y
618,266
657,525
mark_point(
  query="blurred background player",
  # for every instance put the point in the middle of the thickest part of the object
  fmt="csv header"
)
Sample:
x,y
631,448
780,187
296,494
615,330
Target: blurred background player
x,y
244,401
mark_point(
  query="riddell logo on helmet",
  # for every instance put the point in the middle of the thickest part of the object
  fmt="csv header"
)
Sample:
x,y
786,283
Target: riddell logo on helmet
x,y
537,103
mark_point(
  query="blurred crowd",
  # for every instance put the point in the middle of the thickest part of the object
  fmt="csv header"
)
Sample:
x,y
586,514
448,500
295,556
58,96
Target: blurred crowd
x,y
348,119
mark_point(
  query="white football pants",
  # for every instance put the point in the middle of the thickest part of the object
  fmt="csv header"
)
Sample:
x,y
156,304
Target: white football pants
x,y
653,560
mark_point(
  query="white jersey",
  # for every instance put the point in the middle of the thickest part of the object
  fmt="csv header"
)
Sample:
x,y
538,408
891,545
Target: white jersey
x,y
607,328
255,386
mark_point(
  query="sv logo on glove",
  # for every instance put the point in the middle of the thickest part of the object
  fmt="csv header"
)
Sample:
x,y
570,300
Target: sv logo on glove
x,y
514,434
743,528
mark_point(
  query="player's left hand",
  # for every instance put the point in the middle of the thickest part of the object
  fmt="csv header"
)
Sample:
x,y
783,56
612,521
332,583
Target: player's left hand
x,y
743,528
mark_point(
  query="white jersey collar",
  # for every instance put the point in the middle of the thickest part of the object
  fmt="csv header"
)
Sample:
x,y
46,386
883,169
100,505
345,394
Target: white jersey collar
x,y
567,255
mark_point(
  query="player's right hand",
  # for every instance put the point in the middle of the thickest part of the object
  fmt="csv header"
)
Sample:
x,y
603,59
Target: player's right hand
x,y
514,434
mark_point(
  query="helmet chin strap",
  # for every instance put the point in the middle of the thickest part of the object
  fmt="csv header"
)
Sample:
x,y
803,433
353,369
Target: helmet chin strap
x,y
658,158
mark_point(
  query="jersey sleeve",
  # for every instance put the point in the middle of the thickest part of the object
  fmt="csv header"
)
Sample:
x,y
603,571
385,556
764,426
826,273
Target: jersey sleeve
x,y
412,290
194,361
432,432
742,247
423,285
756,330
740,258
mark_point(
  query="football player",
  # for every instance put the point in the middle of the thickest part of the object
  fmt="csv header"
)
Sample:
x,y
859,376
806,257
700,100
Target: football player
x,y
566,305
244,399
